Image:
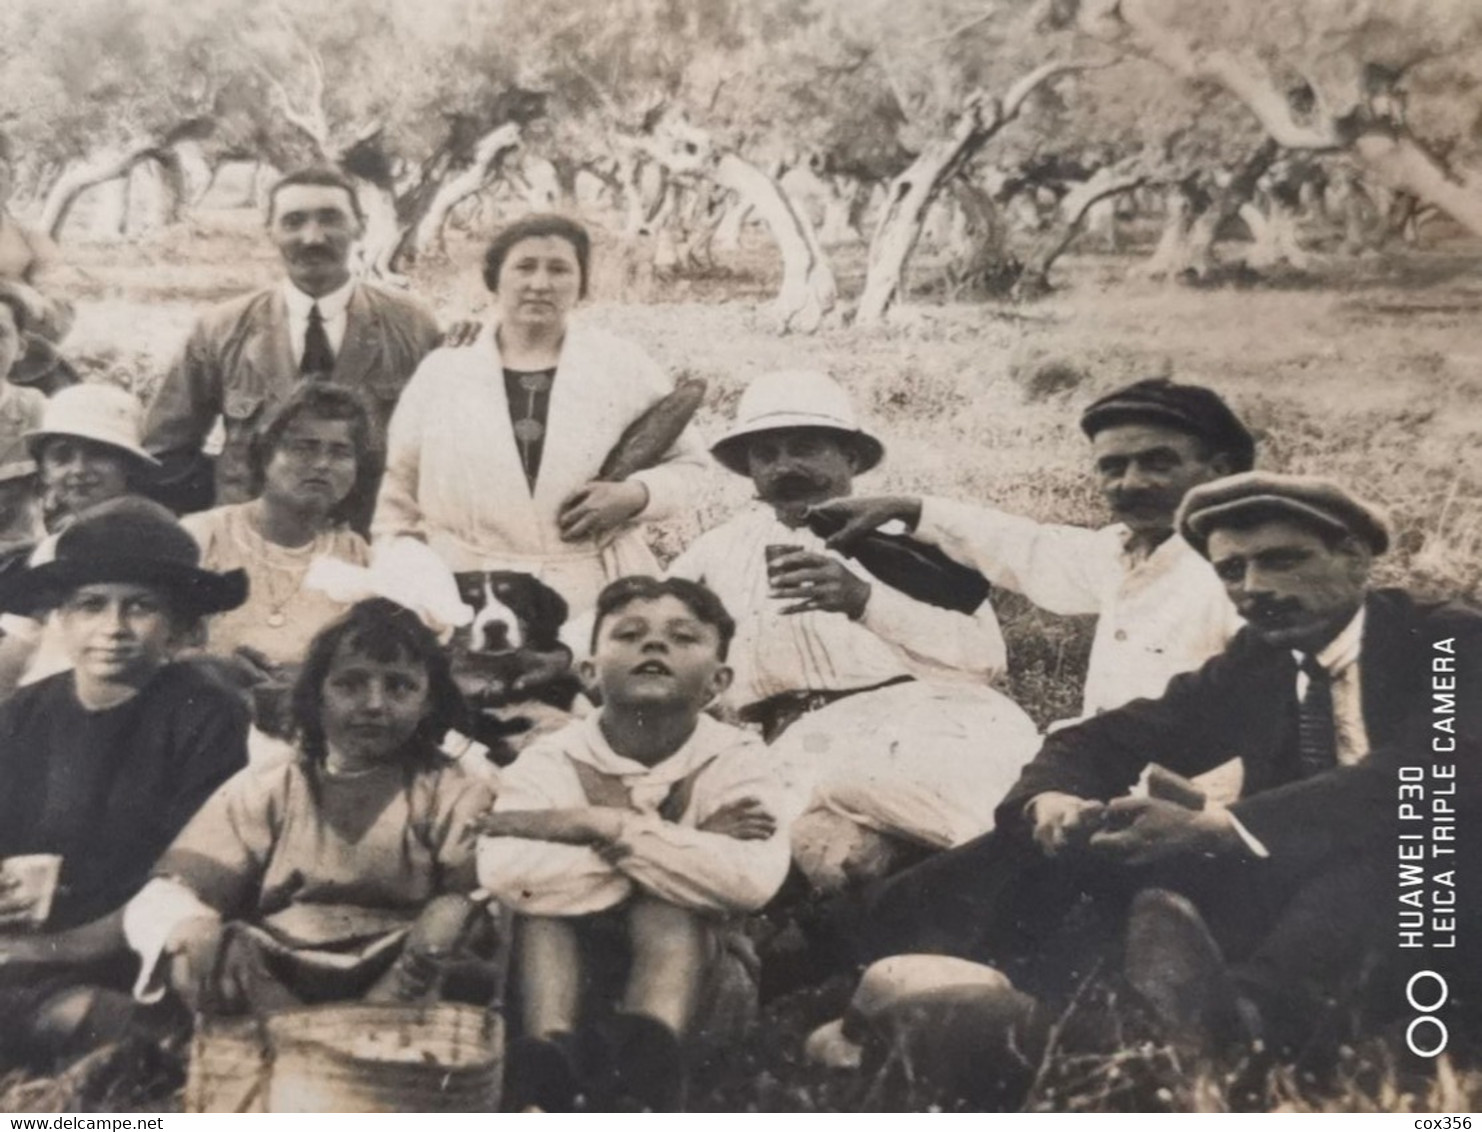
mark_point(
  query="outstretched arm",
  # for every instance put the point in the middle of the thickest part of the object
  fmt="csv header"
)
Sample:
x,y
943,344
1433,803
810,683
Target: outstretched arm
x,y
24,956
1063,569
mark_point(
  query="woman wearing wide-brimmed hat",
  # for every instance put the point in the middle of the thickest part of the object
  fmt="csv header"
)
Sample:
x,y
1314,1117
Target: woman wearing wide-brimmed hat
x,y
85,450
103,764
88,449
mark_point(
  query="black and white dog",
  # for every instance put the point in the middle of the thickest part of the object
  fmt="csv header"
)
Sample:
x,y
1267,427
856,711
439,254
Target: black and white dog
x,y
510,656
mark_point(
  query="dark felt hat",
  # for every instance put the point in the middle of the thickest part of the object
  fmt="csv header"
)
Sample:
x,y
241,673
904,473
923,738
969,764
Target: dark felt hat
x,y
1194,409
1253,496
124,540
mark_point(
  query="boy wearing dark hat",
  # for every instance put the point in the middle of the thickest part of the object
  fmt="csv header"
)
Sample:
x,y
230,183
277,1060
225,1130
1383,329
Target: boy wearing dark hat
x,y
102,765
1255,921
1161,609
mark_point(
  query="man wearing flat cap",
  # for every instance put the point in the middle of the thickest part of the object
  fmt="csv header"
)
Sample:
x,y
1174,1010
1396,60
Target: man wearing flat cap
x,y
1254,920
1161,611
877,703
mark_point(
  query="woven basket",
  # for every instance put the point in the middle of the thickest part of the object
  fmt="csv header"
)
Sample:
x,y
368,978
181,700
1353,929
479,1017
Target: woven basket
x,y
228,1066
444,1057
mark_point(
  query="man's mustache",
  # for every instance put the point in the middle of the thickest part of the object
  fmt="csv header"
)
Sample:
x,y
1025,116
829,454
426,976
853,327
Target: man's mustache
x,y
1266,610
787,486
1136,500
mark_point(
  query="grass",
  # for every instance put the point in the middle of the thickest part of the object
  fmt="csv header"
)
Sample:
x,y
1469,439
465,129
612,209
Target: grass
x,y
1370,373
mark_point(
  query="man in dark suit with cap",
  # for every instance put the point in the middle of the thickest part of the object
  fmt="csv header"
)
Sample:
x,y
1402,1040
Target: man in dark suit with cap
x,y
1256,919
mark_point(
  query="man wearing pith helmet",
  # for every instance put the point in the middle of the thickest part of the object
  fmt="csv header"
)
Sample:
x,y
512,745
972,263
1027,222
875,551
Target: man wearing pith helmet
x,y
877,703
1256,921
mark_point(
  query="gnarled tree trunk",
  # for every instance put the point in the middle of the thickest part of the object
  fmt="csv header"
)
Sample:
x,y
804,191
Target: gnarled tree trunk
x,y
981,260
1121,177
808,290
79,176
1274,232
424,231
911,194
1186,248
1383,146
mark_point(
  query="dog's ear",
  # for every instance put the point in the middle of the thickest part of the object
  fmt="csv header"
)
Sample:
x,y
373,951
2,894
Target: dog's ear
x,y
471,588
548,611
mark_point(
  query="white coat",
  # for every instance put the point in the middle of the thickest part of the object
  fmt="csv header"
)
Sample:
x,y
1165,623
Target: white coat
x,y
453,472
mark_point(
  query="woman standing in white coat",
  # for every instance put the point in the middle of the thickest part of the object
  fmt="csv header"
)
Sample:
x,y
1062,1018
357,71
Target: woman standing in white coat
x,y
493,449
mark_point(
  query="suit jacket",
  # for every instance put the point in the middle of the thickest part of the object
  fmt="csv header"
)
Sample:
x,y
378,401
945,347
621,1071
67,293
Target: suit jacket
x,y
239,362
1243,703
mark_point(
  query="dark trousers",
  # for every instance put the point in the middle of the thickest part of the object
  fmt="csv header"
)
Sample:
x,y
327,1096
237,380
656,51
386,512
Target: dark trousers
x,y
1296,944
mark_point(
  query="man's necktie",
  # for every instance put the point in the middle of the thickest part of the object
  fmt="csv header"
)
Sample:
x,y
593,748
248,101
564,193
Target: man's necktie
x,y
1317,733
318,358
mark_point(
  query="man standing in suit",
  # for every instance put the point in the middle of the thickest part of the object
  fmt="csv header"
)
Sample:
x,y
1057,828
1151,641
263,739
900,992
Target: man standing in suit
x,y
245,355
1257,919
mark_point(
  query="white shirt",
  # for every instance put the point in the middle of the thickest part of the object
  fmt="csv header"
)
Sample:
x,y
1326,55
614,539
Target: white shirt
x,y
820,651
1158,615
673,860
1340,657
333,308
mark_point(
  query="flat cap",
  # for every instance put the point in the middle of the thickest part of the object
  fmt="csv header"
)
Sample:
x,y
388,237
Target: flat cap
x,y
1191,408
1251,497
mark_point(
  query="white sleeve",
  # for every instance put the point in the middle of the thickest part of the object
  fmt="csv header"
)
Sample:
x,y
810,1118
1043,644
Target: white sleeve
x,y
150,919
545,878
711,871
1065,570
936,641
398,509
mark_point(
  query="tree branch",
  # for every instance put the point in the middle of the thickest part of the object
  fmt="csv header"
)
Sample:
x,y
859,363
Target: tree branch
x,y
1270,105
1129,22
961,29
1014,100
312,121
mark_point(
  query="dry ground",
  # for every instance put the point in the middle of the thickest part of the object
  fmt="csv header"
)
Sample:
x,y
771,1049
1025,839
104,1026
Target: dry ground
x,y
1370,373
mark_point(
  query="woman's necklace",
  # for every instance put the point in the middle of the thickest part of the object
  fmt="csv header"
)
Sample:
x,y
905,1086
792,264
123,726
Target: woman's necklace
x,y
533,388
528,429
282,572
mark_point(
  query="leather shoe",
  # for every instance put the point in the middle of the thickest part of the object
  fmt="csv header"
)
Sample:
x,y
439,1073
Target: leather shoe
x,y
1176,966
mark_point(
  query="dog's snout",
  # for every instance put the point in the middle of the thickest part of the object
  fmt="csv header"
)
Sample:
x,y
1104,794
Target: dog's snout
x,y
496,635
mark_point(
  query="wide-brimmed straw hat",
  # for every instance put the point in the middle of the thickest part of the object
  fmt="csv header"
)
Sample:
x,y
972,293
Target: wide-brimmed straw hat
x,y
794,399
104,414
124,540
